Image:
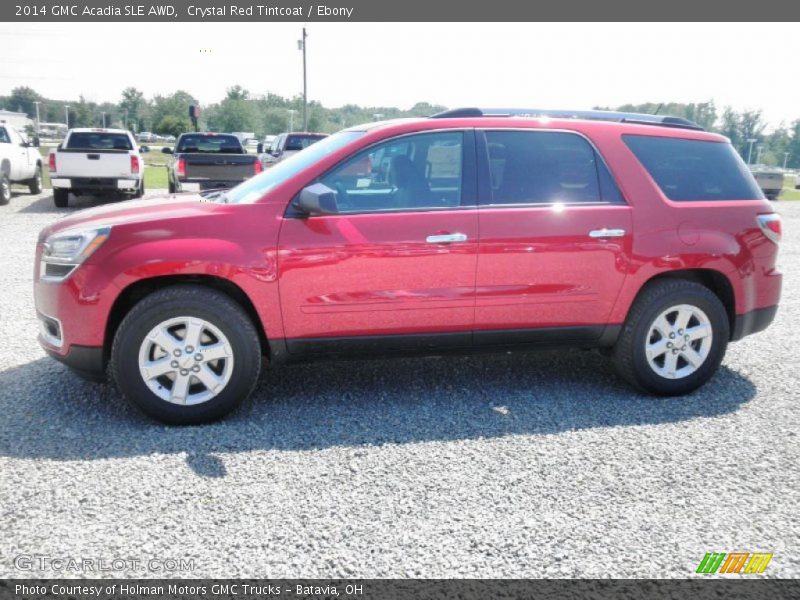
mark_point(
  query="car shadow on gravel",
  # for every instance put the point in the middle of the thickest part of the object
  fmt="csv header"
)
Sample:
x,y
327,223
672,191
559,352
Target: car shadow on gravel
x,y
49,413
45,204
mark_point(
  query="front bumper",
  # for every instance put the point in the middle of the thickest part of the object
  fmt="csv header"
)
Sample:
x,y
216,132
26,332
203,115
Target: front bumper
x,y
86,361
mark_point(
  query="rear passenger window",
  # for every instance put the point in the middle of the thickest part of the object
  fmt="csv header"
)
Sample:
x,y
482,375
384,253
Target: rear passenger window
x,y
546,167
687,170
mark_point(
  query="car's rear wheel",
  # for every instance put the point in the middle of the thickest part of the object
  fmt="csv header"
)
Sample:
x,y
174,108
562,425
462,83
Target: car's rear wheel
x,y
186,354
60,198
674,338
5,189
35,184
140,191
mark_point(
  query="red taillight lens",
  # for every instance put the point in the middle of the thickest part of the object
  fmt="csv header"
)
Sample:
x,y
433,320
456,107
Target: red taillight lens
x,y
51,163
180,168
257,167
770,226
134,165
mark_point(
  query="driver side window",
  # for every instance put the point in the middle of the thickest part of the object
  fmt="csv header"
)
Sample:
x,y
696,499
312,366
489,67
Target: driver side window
x,y
415,172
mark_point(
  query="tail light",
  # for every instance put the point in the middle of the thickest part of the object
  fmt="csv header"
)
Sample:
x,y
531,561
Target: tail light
x,y
257,168
135,165
180,168
770,226
51,163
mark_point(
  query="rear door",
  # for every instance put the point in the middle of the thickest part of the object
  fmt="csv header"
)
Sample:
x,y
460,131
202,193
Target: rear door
x,y
555,238
395,266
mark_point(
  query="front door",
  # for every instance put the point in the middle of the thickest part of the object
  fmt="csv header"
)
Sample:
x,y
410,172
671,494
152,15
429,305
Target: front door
x,y
555,239
395,265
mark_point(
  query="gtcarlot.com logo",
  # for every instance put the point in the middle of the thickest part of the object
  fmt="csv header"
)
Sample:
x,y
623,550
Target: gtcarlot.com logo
x,y
62,564
745,563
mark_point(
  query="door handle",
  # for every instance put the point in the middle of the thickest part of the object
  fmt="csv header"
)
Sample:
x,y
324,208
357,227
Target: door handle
x,y
447,238
606,233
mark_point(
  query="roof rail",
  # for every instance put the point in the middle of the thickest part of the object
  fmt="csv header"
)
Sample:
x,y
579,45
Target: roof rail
x,y
595,115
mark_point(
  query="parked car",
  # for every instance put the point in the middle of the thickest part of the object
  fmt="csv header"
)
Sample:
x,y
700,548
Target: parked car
x,y
20,162
769,179
204,161
146,136
643,236
96,162
286,145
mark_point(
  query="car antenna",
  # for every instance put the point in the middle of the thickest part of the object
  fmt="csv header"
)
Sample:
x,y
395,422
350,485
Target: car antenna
x,y
658,108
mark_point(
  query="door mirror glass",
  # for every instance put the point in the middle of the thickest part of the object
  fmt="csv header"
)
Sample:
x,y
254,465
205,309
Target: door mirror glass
x,y
316,199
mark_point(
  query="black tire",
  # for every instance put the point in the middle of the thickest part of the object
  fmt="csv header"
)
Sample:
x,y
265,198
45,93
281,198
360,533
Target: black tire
x,y
60,198
171,187
139,192
629,352
35,184
5,189
193,301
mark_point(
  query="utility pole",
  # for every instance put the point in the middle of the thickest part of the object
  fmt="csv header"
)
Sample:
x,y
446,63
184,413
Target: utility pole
x,y
37,118
785,159
291,119
301,45
750,141
104,117
759,148
66,115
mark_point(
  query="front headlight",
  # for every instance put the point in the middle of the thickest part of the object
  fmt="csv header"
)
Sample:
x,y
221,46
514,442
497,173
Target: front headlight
x,y
65,250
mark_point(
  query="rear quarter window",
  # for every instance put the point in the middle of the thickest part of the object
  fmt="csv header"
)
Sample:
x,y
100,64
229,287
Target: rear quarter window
x,y
694,170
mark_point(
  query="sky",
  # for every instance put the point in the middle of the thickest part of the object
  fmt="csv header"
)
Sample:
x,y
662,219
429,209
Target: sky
x,y
529,65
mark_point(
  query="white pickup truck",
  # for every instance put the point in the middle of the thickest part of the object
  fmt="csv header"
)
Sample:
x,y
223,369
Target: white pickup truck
x,y
96,162
20,162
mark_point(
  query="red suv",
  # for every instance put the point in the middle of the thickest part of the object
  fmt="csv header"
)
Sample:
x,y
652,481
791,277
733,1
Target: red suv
x,y
470,230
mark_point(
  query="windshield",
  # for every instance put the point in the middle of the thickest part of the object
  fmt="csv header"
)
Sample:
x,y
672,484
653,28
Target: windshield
x,y
214,144
255,188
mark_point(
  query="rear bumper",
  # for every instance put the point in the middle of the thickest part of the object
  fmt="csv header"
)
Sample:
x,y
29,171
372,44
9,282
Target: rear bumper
x,y
96,184
86,361
753,322
199,185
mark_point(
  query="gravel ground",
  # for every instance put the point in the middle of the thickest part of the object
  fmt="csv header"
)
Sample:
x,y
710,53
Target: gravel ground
x,y
537,465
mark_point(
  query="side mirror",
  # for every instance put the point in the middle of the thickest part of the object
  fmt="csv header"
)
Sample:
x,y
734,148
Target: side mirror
x,y
144,149
166,150
260,148
316,199
36,143
276,153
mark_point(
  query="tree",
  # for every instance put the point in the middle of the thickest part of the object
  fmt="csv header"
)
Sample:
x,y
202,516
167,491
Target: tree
x,y
172,125
132,104
23,99
237,92
175,105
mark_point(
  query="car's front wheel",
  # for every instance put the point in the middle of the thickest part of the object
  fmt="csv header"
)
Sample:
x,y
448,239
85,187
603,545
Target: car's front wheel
x,y
186,354
674,338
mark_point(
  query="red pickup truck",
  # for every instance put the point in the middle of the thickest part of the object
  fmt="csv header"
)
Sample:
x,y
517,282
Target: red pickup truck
x,y
643,236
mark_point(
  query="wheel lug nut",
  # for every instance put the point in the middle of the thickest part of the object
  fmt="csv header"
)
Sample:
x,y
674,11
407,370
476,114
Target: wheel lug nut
x,y
672,336
669,344
680,331
686,337
198,356
177,352
189,349
196,368
174,364
184,372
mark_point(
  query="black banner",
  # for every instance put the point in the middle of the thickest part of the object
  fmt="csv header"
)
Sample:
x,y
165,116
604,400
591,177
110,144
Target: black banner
x,y
398,11
736,588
